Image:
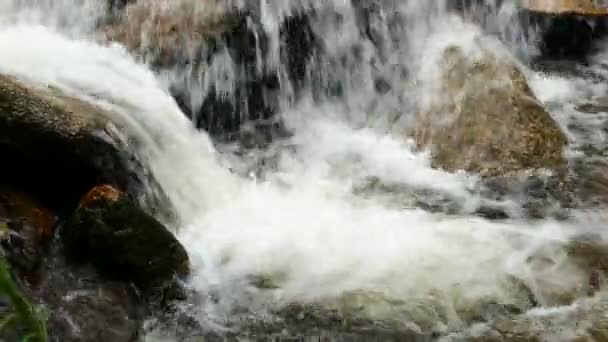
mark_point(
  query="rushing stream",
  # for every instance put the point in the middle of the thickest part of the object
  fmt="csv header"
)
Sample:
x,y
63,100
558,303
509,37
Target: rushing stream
x,y
307,223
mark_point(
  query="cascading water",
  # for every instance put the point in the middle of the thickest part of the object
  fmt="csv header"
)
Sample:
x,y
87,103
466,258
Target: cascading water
x,y
307,224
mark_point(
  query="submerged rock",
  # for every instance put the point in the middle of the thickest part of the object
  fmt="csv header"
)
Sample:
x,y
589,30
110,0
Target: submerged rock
x,y
487,120
115,235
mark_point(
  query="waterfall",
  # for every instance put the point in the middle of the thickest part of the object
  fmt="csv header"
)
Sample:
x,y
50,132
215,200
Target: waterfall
x,y
289,211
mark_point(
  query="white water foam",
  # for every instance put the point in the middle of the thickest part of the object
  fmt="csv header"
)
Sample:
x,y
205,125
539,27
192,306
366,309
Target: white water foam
x,y
302,222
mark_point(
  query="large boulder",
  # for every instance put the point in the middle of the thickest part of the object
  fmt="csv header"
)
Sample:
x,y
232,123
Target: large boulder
x,y
57,147
113,234
484,118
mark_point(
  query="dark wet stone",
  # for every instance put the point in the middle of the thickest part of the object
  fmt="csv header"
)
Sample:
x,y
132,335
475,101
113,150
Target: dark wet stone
x,y
115,235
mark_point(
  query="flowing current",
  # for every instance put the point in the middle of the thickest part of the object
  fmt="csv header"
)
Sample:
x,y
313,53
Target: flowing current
x,y
300,225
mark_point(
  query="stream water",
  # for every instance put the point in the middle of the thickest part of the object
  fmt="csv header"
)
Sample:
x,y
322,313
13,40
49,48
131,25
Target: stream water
x,y
307,224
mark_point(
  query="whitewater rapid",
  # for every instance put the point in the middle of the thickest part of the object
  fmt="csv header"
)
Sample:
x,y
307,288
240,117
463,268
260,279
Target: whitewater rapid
x,y
301,224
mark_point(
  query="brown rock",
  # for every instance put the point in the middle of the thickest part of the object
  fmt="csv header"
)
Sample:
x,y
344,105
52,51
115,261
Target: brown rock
x,y
487,120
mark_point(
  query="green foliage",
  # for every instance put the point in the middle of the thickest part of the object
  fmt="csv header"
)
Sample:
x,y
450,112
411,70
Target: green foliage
x,y
29,317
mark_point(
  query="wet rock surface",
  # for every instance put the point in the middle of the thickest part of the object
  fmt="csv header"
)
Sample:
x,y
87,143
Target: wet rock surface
x,y
74,142
118,237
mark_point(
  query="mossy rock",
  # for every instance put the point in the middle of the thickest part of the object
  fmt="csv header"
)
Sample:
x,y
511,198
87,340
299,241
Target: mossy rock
x,y
122,240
